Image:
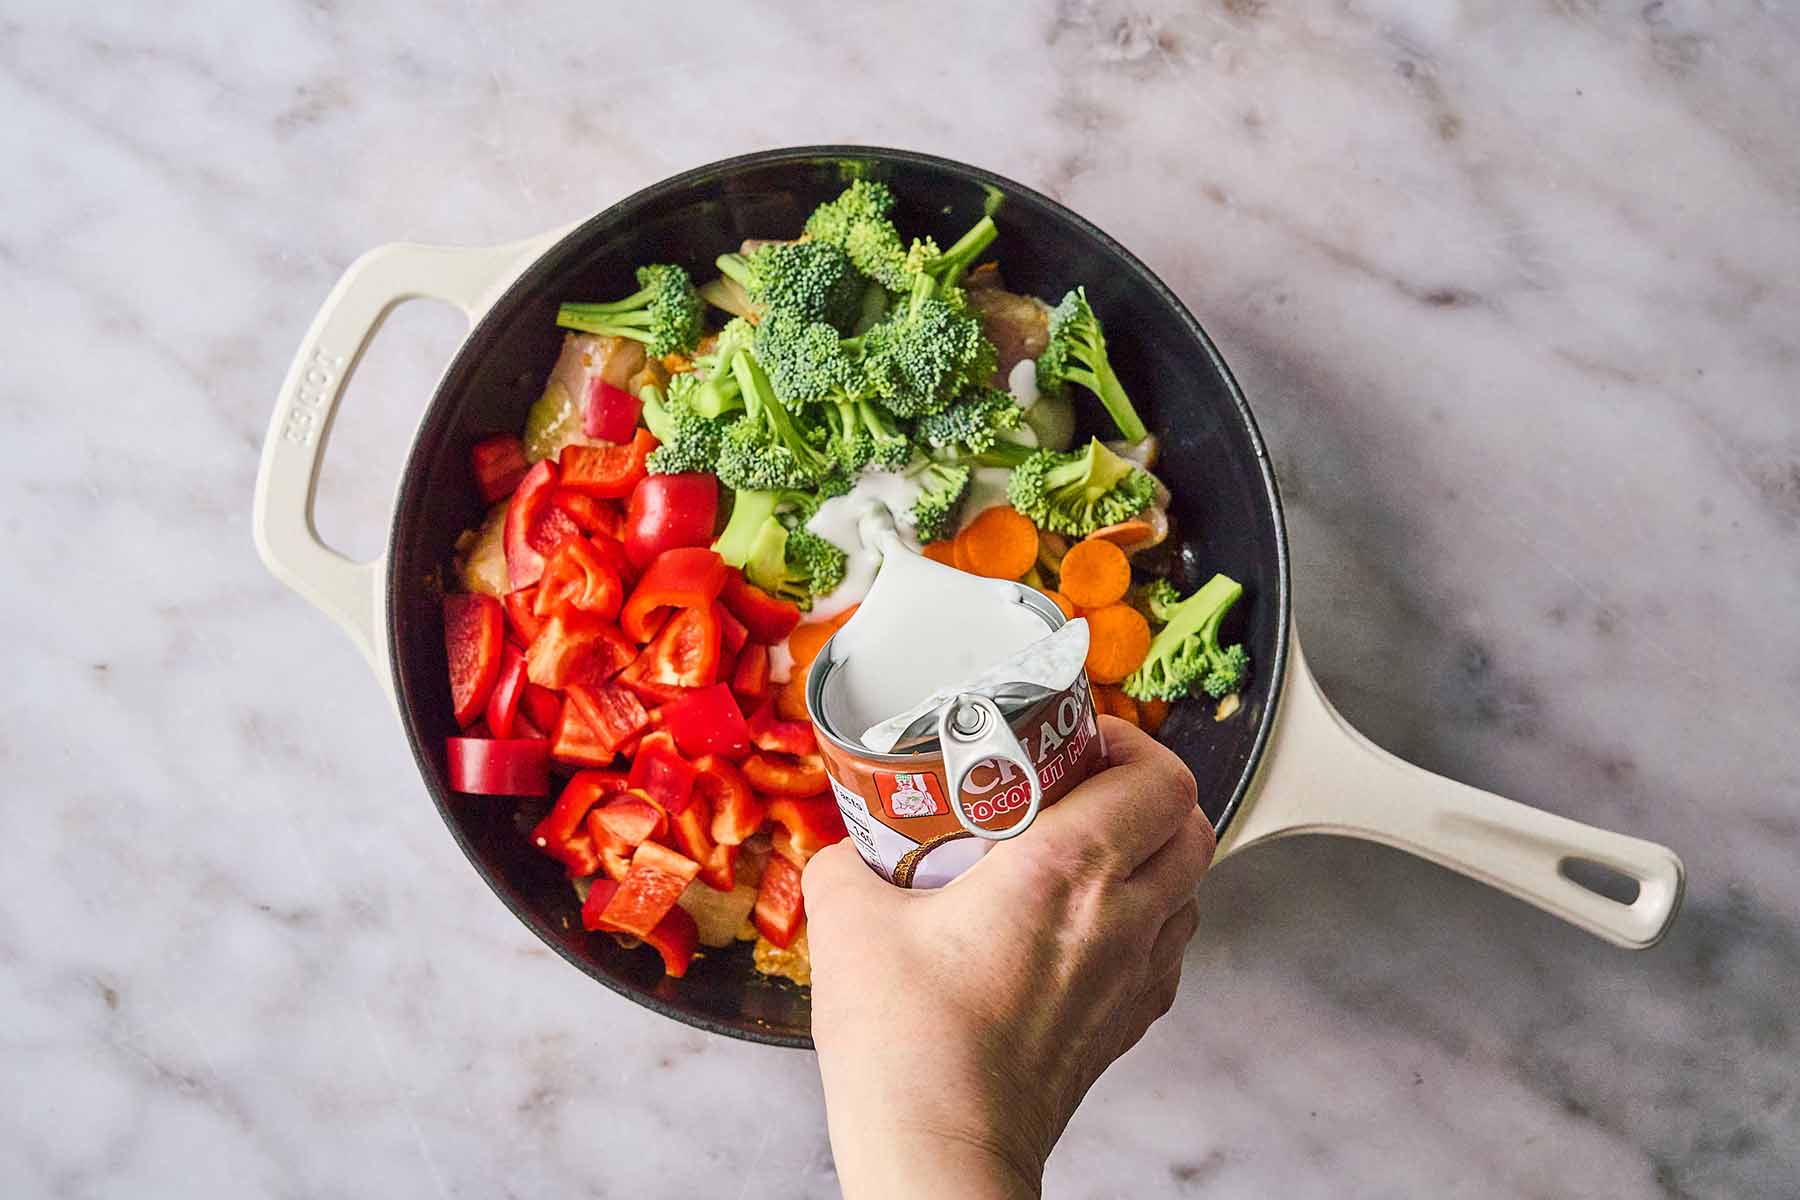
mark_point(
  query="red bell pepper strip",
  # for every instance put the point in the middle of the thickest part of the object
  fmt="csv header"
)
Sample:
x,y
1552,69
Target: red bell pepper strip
x,y
577,577
650,692
811,824
609,413
686,577
732,632
780,909
631,818
786,774
584,790
666,512
499,464
529,505
650,889
736,812
577,646
692,832
542,707
509,689
614,853
750,676
474,632
591,516
707,721
607,472
613,714
768,618
498,766
662,774
686,652
781,737
676,937
524,623
576,743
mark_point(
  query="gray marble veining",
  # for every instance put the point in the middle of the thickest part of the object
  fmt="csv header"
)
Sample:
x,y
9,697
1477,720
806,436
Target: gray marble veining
x,y
1512,287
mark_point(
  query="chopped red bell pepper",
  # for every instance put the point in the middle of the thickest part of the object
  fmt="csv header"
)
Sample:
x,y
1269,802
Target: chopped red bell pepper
x,y
781,737
509,689
692,831
614,852
576,743
632,818
614,715
651,692
707,721
609,413
542,707
577,646
524,623
661,773
584,790
607,472
530,503
676,937
576,576
768,618
666,512
732,632
499,464
736,812
811,824
591,516
686,577
474,632
686,652
750,676
780,909
498,766
787,774
650,889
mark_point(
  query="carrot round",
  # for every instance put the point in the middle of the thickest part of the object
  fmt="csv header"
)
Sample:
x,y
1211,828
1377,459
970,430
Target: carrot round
x,y
1095,573
790,701
940,552
1115,703
1001,543
807,640
1126,533
1152,713
1118,639
1061,601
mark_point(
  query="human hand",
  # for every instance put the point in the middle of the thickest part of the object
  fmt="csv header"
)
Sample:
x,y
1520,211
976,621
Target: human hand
x,y
958,1029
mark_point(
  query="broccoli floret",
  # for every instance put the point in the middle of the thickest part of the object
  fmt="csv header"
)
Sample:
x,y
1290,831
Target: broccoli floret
x,y
811,280
690,442
946,267
934,513
922,358
805,360
794,564
822,562
768,448
971,426
858,222
863,434
1185,656
1160,597
1078,492
664,313
716,392
1077,354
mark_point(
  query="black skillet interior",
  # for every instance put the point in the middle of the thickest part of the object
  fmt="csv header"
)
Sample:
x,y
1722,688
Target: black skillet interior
x,y
1226,508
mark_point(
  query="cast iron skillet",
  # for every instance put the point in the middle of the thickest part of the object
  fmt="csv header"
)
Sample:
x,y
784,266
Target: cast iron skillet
x,y
1274,770
1226,506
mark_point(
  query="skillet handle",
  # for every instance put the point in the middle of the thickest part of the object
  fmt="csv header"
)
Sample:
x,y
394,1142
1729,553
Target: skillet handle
x,y
349,592
1322,776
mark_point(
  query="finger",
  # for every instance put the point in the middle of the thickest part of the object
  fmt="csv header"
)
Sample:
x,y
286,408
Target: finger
x,y
1125,813
1169,876
1171,941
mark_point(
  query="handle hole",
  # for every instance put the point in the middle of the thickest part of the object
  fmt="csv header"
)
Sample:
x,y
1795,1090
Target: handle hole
x,y
1599,878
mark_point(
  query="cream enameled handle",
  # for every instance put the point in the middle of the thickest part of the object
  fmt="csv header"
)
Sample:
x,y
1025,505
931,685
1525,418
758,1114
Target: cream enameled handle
x,y
347,591
1322,776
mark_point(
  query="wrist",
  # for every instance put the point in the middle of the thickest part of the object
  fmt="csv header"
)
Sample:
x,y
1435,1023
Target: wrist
x,y
905,1159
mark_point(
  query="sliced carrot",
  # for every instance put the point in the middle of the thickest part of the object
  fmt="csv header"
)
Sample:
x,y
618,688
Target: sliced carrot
x,y
1001,543
940,552
1152,713
1095,573
1118,639
1125,534
790,701
1061,601
1115,703
843,618
807,640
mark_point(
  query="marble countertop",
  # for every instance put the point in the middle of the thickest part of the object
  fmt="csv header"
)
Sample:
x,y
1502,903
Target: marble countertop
x,y
1511,288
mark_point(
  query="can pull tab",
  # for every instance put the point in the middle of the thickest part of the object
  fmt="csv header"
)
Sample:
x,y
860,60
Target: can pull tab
x,y
971,731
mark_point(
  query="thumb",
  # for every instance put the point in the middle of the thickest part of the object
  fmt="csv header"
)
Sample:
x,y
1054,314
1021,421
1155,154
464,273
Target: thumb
x,y
838,875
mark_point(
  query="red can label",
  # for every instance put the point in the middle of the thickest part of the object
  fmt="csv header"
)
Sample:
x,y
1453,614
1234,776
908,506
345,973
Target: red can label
x,y
911,794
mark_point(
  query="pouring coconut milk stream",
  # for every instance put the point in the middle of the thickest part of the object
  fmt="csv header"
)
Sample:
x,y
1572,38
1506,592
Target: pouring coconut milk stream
x,y
950,709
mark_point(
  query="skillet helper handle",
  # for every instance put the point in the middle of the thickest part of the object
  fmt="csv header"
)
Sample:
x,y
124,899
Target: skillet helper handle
x,y
1323,776
347,591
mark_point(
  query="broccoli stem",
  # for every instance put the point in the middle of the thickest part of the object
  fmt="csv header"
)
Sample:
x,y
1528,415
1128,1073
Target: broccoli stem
x,y
1104,384
949,266
750,511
